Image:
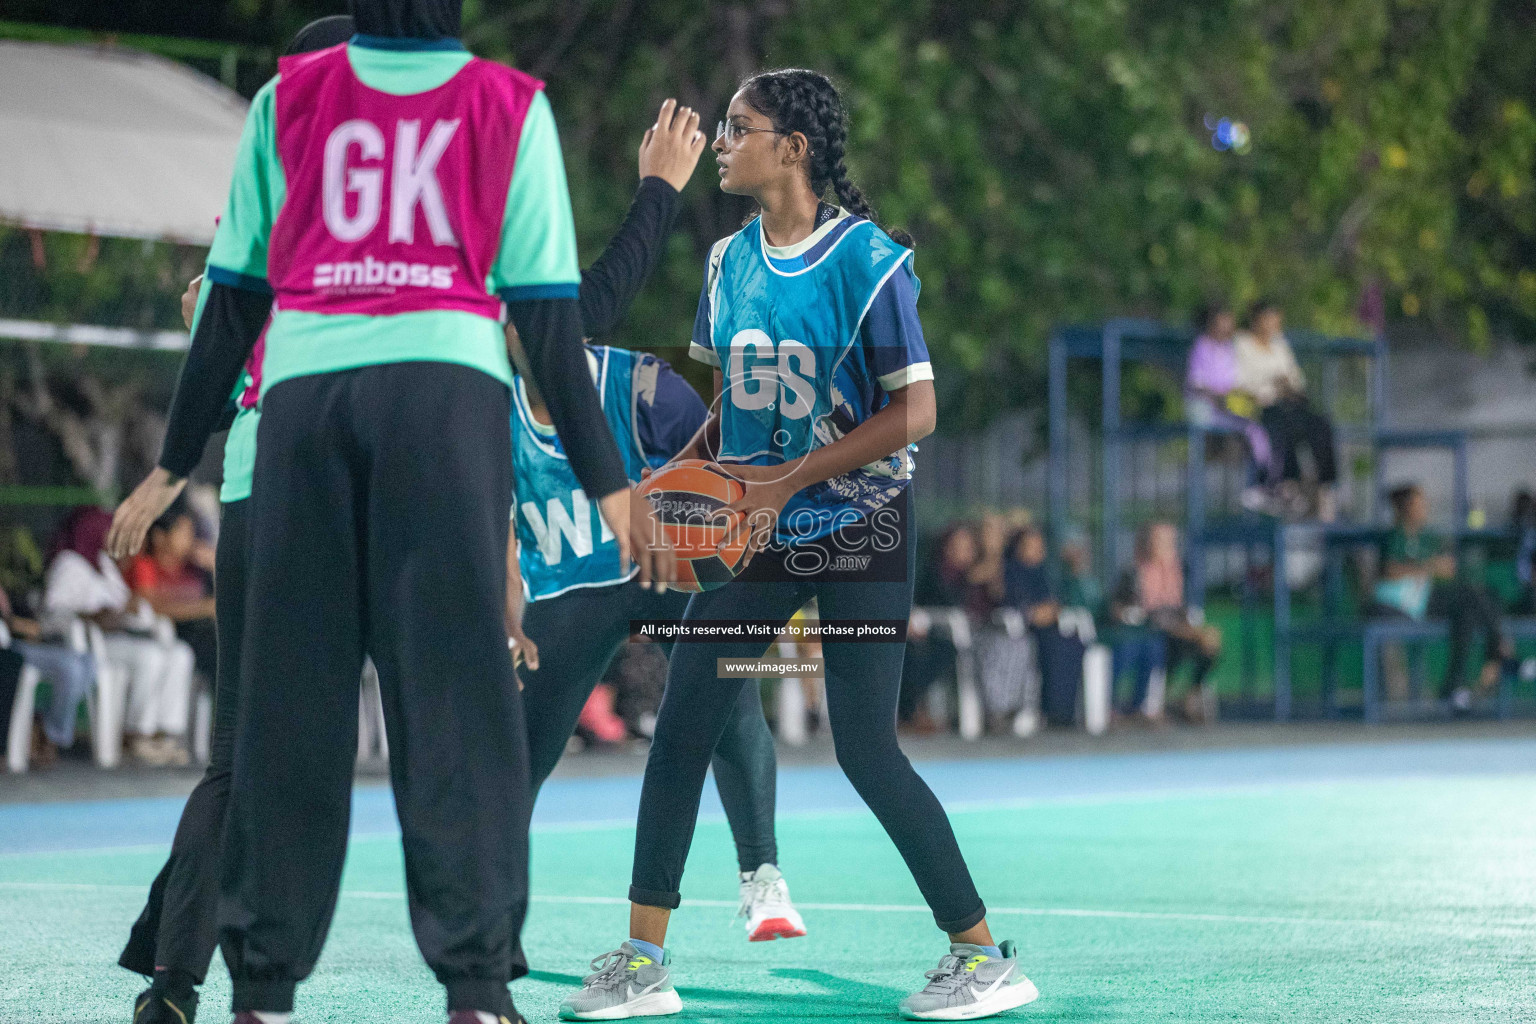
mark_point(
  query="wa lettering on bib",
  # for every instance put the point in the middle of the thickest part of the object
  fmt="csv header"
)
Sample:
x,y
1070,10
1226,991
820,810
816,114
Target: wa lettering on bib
x,y
563,542
394,203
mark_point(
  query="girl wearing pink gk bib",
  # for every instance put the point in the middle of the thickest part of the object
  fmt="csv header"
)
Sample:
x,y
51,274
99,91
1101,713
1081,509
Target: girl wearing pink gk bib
x,y
392,193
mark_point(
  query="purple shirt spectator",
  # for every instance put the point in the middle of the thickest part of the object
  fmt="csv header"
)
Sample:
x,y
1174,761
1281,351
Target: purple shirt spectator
x,y
1212,366
1212,375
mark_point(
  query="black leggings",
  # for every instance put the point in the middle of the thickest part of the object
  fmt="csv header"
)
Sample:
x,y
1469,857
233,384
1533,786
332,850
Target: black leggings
x,y
1293,424
178,928
578,634
202,636
1468,611
379,511
1182,649
862,680
925,659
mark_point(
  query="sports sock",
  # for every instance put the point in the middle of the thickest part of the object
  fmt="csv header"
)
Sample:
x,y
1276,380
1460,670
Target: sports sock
x,y
173,981
271,1018
650,949
991,950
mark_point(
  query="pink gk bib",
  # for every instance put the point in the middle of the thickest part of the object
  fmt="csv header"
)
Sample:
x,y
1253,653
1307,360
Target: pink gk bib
x,y
394,203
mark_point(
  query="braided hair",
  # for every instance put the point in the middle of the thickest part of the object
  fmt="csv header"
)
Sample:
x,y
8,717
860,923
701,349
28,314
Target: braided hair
x,y
797,100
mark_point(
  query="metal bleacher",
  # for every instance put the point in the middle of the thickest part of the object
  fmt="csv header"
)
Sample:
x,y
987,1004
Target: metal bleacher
x,y
1113,511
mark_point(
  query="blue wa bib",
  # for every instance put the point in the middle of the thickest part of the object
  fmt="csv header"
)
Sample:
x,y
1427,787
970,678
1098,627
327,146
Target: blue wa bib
x,y
788,345
562,540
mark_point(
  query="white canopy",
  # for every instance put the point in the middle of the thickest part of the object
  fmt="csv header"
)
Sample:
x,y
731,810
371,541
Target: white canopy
x,y
113,142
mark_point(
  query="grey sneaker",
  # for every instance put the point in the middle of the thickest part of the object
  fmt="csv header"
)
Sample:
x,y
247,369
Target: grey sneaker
x,y
969,984
765,904
627,984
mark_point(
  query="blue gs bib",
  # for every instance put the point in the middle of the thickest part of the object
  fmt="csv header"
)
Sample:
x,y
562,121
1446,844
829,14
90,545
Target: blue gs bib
x,y
790,358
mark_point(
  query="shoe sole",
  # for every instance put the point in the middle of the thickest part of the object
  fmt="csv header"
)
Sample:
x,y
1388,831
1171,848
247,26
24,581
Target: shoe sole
x,y
1008,997
653,1004
776,928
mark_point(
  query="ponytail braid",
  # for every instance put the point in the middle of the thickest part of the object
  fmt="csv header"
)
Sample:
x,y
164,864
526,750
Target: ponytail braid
x,y
796,100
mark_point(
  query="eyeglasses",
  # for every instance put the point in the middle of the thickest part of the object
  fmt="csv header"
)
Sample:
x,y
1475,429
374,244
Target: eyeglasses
x,y
734,133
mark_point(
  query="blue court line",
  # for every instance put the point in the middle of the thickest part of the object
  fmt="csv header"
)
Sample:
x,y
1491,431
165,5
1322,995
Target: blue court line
x,y
94,825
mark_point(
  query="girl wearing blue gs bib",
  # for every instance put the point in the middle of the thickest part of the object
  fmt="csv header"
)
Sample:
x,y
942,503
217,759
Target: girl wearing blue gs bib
x,y
822,384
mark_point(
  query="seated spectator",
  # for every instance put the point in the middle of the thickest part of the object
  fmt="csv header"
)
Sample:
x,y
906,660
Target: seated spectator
x,y
1267,370
986,575
1058,654
1002,661
1159,595
165,575
82,581
70,674
957,552
1419,580
1213,399
1522,523
638,675
1080,588
10,678
930,652
1135,647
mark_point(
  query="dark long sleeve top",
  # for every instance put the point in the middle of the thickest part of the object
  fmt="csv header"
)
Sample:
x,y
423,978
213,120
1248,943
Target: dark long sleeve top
x,y
222,339
608,288
610,285
550,330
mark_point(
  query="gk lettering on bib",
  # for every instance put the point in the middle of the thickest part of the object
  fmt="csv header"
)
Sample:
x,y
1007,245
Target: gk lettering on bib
x,y
394,203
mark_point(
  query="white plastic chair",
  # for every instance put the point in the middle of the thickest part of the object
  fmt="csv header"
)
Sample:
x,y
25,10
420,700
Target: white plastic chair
x,y
104,703
1027,721
1098,683
967,686
202,725
18,741
107,703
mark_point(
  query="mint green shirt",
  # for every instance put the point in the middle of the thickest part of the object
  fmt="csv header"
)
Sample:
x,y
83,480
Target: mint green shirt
x,y
538,250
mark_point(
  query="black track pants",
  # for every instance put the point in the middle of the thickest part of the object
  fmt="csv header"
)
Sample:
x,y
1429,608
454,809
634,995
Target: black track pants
x,y
380,515
179,926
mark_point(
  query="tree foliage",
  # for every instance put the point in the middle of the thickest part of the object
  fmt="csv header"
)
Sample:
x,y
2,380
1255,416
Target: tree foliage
x,y
1053,158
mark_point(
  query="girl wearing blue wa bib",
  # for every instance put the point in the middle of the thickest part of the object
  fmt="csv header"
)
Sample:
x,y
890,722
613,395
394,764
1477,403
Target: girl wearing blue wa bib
x,y
822,384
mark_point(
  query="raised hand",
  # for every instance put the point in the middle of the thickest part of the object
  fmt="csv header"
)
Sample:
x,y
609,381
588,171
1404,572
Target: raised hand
x,y
672,146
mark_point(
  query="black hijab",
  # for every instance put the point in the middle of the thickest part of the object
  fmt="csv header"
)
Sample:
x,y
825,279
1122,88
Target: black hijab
x,y
408,19
322,34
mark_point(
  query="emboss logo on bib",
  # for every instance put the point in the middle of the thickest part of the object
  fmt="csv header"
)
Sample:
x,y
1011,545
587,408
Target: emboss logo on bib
x,y
354,180
371,274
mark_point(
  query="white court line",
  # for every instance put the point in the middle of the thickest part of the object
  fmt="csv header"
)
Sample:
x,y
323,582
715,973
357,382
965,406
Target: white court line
x,y
1131,796
853,908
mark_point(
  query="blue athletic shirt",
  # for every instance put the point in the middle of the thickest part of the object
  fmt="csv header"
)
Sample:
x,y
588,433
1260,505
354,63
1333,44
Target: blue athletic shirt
x,y
810,338
563,543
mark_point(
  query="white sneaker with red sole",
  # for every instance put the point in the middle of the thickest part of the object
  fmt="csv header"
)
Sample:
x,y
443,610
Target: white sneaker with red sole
x,y
765,904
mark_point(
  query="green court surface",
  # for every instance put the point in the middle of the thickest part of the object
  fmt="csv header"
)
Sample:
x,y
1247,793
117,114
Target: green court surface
x,y
1394,897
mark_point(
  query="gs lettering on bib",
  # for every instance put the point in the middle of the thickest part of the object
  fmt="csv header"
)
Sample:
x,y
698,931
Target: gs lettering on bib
x,y
394,203
786,342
